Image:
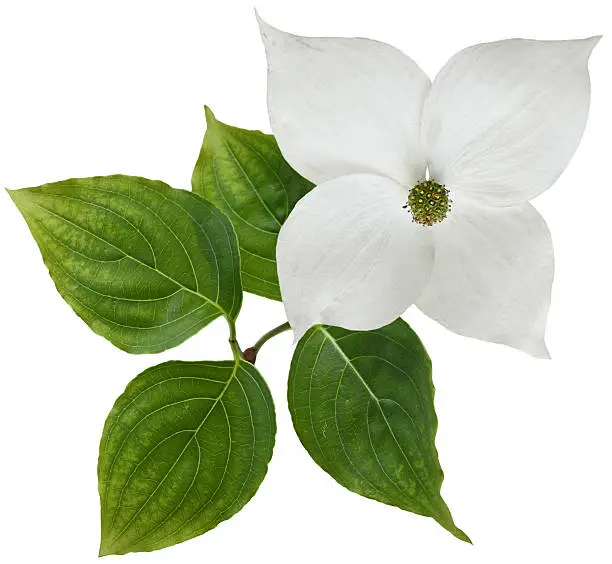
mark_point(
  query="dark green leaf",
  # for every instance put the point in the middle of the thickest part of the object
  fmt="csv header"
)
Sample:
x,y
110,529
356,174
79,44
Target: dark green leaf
x,y
184,448
362,405
244,174
144,265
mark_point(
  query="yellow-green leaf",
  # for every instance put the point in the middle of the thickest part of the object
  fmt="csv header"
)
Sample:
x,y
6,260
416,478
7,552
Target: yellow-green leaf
x,y
244,174
143,264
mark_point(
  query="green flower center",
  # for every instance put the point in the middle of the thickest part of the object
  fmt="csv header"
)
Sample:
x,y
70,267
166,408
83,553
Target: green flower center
x,y
428,202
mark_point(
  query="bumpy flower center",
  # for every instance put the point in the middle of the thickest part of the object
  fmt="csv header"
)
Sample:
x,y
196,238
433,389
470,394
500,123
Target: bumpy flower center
x,y
428,202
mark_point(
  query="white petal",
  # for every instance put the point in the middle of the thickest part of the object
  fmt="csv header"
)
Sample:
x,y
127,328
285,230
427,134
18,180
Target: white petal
x,y
503,119
492,276
350,255
341,106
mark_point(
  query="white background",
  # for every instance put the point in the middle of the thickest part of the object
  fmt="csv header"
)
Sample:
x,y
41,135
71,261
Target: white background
x,y
91,88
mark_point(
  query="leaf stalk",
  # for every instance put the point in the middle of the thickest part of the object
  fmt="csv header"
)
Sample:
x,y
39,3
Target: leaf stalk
x,y
250,354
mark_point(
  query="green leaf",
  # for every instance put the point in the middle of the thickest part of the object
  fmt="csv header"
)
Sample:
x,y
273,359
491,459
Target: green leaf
x,y
362,405
144,265
244,174
184,448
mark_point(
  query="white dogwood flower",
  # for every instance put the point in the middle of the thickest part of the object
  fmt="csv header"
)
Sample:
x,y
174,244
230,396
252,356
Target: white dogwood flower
x,y
423,188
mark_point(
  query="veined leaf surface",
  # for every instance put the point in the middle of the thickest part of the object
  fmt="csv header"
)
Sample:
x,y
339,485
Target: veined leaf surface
x,y
362,405
144,265
184,448
245,175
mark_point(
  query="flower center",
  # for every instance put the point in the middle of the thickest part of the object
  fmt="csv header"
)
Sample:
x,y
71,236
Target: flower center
x,y
428,202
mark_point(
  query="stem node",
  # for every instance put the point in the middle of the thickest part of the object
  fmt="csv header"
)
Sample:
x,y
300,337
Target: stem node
x,y
250,354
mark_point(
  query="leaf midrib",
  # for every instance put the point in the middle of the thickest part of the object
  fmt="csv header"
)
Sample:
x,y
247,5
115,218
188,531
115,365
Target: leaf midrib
x,y
193,436
265,160
348,361
201,509
238,367
229,205
128,255
248,178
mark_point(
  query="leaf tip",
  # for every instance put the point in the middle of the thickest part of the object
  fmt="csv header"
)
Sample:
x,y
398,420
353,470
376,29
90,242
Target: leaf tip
x,y
446,520
461,535
210,117
107,548
16,196
104,551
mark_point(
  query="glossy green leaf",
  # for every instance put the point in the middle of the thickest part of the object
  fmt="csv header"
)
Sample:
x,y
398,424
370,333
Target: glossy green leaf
x,y
362,405
184,448
244,174
144,265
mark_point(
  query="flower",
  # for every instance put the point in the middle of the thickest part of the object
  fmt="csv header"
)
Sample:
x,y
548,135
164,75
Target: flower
x,y
423,187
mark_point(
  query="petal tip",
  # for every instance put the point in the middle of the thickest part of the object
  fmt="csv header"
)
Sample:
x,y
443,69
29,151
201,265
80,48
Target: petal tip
x,y
260,20
268,32
545,354
537,349
591,42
